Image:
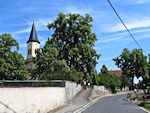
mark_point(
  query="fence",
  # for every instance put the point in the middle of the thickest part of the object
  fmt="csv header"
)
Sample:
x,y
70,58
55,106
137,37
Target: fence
x,y
33,83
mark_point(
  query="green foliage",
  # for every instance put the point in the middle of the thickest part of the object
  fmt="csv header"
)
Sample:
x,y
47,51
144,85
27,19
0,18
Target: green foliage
x,y
75,41
117,90
75,76
110,81
48,67
133,63
12,64
107,79
104,70
96,78
143,103
6,44
124,81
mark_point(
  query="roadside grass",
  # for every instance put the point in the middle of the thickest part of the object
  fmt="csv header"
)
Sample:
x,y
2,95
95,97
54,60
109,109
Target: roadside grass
x,y
145,105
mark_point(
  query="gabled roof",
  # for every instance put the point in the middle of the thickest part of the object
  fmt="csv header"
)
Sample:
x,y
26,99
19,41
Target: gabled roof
x,y
33,35
117,72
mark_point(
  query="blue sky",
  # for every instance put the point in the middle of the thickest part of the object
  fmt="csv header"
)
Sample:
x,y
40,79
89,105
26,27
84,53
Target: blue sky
x,y
16,17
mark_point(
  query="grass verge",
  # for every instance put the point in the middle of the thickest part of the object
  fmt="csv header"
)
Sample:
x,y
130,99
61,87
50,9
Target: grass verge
x,y
145,105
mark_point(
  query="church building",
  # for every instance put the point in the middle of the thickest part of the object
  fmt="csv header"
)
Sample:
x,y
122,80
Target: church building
x,y
32,45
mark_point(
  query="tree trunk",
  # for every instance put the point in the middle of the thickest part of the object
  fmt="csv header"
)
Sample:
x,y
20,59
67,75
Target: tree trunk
x,y
132,83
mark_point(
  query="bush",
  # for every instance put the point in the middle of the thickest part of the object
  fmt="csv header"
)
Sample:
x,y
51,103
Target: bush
x,y
110,81
142,103
117,90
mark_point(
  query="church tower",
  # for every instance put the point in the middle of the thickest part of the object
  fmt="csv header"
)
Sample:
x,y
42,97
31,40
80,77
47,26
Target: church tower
x,y
32,45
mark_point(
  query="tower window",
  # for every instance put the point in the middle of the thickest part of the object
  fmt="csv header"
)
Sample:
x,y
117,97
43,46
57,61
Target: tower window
x,y
29,51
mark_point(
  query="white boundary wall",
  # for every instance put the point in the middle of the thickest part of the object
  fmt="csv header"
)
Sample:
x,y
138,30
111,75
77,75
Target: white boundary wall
x,y
31,100
102,89
36,99
72,89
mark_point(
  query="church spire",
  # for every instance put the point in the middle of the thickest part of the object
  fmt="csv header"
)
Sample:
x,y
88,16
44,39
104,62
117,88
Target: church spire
x,y
33,35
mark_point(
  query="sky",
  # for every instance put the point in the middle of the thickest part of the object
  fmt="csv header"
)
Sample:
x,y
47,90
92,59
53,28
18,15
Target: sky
x,y
16,18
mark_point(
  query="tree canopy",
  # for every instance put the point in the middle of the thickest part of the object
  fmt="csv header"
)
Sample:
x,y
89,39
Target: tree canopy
x,y
110,81
133,63
12,64
49,67
124,81
104,70
74,39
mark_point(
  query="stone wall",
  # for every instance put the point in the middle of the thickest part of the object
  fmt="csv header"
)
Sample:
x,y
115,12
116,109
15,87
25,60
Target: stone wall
x,y
36,99
100,91
31,100
72,89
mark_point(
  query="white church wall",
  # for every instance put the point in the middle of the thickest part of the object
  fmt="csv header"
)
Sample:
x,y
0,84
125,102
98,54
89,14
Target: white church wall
x,y
35,45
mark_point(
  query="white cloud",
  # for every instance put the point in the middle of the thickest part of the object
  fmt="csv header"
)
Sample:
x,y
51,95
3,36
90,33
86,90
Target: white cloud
x,y
109,40
142,1
139,23
40,24
106,59
72,9
26,30
136,2
97,48
24,45
43,43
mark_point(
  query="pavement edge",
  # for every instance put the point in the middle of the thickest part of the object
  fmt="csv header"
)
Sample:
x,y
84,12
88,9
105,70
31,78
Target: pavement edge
x,y
144,109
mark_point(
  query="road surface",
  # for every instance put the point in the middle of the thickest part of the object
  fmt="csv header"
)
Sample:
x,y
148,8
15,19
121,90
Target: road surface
x,y
113,104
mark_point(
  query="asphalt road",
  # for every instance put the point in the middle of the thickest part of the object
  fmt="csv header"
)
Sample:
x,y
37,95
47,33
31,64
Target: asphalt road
x,y
113,104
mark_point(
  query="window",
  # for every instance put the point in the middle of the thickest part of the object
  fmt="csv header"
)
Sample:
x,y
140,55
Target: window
x,y
35,51
29,51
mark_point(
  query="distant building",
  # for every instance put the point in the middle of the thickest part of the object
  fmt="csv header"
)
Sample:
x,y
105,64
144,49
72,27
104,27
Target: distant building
x,y
32,45
117,72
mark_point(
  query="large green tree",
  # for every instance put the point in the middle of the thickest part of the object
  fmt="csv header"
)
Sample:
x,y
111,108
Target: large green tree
x,y
133,63
12,64
74,38
49,67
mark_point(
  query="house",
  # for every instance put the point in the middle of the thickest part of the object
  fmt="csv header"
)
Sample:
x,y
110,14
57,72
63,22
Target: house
x,y
32,45
117,72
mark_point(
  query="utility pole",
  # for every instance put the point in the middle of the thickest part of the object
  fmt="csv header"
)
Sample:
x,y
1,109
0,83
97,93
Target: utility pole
x,y
149,58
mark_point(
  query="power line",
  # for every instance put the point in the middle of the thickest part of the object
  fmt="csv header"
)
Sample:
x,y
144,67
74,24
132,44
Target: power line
x,y
126,27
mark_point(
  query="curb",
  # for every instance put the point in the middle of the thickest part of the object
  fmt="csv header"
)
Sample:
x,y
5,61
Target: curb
x,y
144,109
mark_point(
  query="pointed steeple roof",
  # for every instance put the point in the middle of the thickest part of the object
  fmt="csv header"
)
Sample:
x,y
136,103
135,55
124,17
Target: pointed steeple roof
x,y
33,35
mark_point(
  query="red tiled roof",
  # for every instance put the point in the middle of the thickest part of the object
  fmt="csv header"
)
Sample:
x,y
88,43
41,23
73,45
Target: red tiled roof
x,y
117,72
